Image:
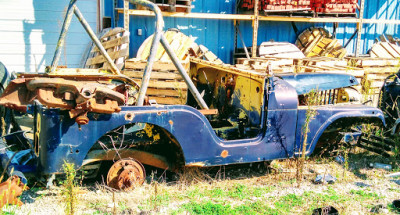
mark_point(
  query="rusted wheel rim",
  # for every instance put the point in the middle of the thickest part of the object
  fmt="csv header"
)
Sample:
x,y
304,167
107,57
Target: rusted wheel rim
x,y
126,174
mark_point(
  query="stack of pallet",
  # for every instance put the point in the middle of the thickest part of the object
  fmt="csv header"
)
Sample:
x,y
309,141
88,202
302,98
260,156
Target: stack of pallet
x,y
334,6
376,71
327,65
174,5
166,85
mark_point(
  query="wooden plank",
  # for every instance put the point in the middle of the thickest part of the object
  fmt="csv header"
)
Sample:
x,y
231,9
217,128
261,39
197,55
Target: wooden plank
x,y
381,76
370,62
113,55
113,32
390,50
170,36
168,100
163,84
376,84
134,64
208,55
154,75
379,51
308,50
395,47
166,92
209,111
112,43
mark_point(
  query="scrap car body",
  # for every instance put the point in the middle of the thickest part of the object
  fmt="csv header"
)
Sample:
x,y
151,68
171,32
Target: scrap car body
x,y
254,117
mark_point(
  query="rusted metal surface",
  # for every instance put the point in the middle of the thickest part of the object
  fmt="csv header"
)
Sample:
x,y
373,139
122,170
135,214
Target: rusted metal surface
x,y
126,174
144,157
77,96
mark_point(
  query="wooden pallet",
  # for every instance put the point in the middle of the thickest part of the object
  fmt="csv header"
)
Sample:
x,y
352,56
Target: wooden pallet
x,y
280,50
318,42
116,43
385,50
308,35
166,85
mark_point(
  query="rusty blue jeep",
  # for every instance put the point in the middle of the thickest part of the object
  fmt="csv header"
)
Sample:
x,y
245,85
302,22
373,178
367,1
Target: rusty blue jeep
x,y
230,116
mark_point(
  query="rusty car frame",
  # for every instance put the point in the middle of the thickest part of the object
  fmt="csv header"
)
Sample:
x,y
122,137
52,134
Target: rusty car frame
x,y
82,117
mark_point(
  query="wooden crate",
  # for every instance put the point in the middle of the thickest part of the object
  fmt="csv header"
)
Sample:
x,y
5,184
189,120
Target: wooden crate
x,y
166,85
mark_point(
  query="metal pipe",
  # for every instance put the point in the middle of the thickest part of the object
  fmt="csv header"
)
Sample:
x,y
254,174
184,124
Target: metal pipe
x,y
154,46
61,39
243,44
351,38
95,40
185,76
158,35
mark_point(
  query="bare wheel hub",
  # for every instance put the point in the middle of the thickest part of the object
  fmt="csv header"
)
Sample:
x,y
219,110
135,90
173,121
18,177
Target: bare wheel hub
x,y
126,174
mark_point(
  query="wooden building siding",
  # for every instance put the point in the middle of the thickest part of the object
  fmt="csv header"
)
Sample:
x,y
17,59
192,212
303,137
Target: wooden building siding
x,y
29,30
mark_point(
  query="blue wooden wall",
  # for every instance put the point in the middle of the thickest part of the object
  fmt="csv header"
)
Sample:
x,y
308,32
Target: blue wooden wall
x,y
29,31
218,35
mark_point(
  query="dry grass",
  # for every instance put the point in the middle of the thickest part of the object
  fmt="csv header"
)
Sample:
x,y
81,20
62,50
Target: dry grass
x,y
237,190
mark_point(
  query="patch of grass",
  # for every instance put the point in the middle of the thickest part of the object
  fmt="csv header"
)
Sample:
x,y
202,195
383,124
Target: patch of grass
x,y
208,207
365,195
286,203
235,192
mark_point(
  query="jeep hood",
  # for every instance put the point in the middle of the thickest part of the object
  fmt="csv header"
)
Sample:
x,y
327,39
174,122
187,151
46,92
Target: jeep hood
x,y
304,83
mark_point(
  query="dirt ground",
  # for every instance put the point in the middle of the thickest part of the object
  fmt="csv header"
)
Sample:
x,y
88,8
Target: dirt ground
x,y
241,189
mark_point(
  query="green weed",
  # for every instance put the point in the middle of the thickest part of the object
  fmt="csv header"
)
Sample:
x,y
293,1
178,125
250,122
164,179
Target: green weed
x,y
69,188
